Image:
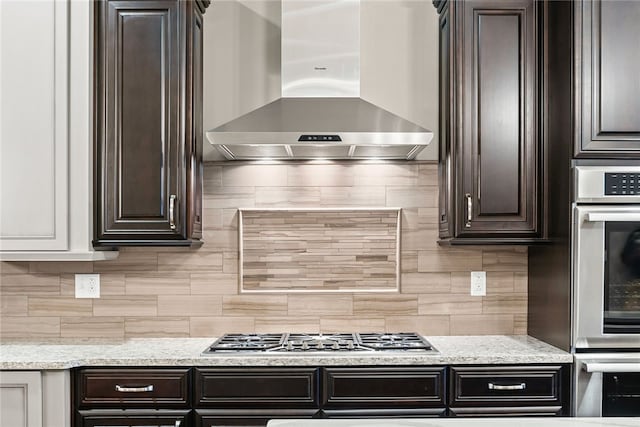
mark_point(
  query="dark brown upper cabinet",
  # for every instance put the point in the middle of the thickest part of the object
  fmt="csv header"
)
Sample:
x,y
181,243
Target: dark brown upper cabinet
x,y
148,122
490,150
607,66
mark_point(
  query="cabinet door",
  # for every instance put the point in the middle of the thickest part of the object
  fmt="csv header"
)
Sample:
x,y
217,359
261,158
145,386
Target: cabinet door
x,y
140,152
34,125
499,143
607,66
20,399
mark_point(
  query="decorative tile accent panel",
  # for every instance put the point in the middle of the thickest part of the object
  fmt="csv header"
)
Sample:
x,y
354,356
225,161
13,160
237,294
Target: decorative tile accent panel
x,y
319,250
155,292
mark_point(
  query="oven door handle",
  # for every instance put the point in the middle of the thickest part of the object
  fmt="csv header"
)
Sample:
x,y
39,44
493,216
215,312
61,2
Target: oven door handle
x,y
611,367
613,216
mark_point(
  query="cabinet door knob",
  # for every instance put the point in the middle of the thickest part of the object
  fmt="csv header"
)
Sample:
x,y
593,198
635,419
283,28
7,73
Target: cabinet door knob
x,y
172,211
520,386
469,210
126,389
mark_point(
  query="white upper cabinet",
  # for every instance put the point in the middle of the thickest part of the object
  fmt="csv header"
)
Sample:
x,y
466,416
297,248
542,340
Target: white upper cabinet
x,y
46,131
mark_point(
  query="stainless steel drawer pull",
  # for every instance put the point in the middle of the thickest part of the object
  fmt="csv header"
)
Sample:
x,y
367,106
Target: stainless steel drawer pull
x,y
520,386
134,389
172,211
469,210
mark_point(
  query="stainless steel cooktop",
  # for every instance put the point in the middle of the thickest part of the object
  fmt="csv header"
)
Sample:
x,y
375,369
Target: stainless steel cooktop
x,y
300,342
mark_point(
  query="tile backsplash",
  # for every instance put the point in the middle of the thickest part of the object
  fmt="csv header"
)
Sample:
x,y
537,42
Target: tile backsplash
x,y
157,292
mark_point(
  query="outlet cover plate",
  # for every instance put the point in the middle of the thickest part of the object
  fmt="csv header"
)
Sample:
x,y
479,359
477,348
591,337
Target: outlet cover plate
x,y
478,283
87,286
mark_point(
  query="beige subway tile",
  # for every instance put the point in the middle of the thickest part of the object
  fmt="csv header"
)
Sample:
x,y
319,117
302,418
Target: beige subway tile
x,y
13,305
212,218
14,267
92,327
428,174
214,284
61,267
507,259
415,240
332,324
230,218
449,259
254,305
190,262
229,197
520,283
412,197
482,324
405,174
230,262
29,327
128,261
126,306
215,326
157,283
254,175
288,196
352,196
156,327
320,175
497,282
30,284
449,304
110,284
520,324
428,217
189,305
297,324
221,239
408,261
385,304
425,283
211,177
505,304
321,305
60,306
423,325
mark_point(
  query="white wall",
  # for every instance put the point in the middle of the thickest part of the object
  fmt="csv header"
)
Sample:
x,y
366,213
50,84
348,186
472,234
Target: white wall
x,y
399,60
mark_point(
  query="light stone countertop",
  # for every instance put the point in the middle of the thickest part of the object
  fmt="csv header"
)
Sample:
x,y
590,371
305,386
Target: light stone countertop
x,y
458,422
64,354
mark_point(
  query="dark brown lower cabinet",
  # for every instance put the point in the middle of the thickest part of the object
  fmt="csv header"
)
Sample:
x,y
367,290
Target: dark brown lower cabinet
x,y
251,396
492,391
115,418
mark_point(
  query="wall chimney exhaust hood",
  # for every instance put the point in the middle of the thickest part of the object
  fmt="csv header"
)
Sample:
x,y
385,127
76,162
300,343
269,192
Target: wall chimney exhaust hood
x,y
320,114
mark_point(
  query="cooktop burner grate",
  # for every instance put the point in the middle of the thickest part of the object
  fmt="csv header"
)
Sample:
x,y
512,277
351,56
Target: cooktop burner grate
x,y
339,342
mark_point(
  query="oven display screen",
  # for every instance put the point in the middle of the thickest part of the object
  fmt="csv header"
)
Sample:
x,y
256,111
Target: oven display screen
x,y
622,277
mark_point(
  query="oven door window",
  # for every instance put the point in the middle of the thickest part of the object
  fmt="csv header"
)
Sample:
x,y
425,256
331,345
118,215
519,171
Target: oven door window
x,y
622,278
621,395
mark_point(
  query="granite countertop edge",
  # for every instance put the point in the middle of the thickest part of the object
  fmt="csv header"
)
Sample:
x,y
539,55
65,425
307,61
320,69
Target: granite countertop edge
x,y
176,352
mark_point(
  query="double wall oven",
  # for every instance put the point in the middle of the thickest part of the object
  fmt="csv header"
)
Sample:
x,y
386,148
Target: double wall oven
x,y
606,289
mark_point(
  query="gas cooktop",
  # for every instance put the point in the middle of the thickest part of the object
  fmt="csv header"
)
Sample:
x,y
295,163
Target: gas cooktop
x,y
298,342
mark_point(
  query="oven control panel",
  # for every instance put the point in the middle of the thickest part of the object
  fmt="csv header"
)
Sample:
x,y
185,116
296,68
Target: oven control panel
x,y
621,184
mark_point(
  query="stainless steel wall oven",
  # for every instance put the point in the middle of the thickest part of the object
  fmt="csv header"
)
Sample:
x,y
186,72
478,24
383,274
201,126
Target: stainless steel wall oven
x,y
606,290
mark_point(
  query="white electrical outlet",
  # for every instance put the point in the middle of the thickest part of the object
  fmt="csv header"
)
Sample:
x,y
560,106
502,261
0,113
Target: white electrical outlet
x,y
87,286
478,283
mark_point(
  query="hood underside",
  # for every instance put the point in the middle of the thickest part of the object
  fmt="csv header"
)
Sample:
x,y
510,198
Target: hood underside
x,y
319,128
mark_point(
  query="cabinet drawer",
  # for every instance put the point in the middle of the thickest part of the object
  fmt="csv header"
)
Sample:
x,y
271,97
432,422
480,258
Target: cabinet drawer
x,y
132,388
383,387
516,386
256,388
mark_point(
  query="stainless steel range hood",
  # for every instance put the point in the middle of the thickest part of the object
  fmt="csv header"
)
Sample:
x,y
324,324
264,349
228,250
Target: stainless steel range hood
x,y
320,114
